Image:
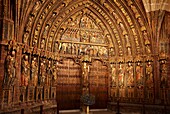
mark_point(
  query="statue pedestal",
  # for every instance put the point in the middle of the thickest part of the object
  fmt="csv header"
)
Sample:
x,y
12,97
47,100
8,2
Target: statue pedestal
x,y
86,110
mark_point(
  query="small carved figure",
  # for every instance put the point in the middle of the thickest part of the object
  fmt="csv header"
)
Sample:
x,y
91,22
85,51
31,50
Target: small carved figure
x,y
36,7
25,71
140,21
83,23
35,41
29,24
10,72
91,51
46,30
74,49
68,48
146,39
25,39
42,45
49,46
56,46
84,36
122,26
111,52
129,52
148,49
64,48
135,11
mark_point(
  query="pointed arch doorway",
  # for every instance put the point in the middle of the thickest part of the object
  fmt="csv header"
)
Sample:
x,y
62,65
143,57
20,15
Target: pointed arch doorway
x,y
102,29
80,35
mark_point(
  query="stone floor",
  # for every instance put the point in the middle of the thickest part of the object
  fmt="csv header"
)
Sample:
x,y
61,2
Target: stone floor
x,y
92,112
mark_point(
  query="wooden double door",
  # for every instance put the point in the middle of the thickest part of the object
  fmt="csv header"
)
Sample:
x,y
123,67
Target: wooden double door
x,y
69,85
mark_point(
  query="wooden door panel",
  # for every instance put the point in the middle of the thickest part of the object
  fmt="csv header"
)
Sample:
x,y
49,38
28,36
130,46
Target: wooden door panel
x,y
68,88
99,84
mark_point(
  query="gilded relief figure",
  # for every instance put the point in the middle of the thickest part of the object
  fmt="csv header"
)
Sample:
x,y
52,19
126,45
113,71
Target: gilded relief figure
x,y
84,36
35,41
10,72
145,36
25,39
34,71
139,74
25,67
84,22
111,52
29,23
149,75
56,46
148,49
64,48
42,45
163,73
74,49
68,48
36,7
121,75
130,75
113,75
